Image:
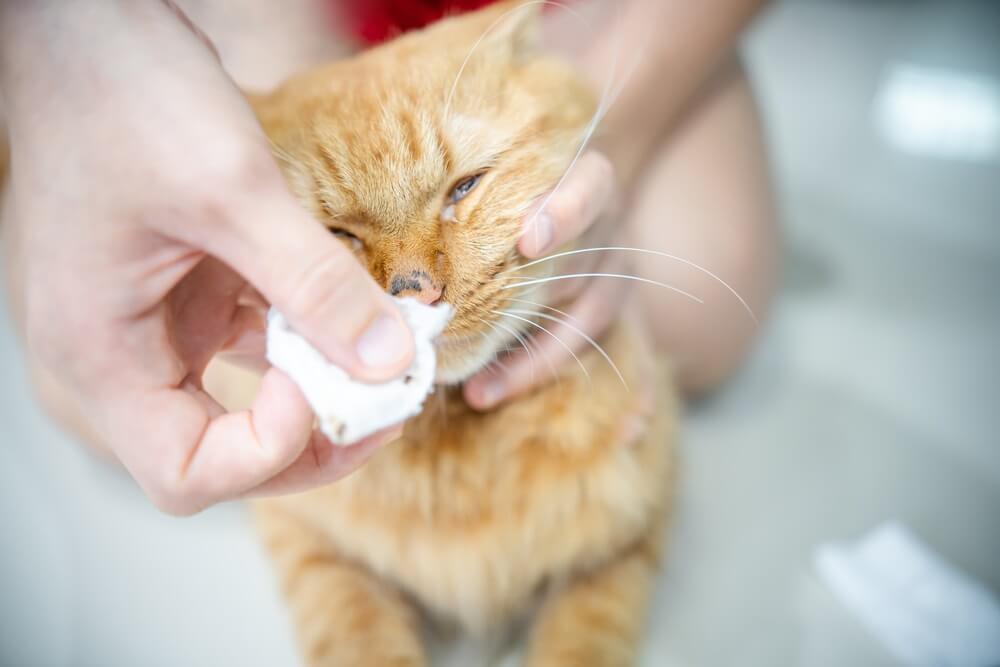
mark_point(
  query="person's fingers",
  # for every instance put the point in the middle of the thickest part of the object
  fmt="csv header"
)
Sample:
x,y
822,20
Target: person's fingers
x,y
187,453
319,286
599,235
583,197
591,314
248,345
564,291
323,463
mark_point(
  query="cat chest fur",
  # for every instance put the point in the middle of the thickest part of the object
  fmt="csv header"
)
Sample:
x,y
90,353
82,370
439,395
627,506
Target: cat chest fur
x,y
472,515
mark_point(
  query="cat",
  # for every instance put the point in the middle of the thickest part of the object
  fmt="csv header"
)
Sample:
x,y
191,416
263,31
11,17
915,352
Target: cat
x,y
423,156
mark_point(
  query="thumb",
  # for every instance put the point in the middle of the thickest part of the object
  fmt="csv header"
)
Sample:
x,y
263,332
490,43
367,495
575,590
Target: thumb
x,y
319,286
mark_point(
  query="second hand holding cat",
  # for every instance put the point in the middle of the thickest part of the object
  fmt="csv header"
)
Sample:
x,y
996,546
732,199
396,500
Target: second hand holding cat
x,y
587,196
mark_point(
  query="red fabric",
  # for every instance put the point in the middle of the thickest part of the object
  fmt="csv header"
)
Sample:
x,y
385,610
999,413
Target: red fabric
x,y
374,21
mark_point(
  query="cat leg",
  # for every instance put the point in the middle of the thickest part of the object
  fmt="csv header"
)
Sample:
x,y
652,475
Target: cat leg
x,y
597,618
343,615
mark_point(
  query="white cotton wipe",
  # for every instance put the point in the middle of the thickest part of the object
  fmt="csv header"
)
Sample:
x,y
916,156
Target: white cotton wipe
x,y
349,410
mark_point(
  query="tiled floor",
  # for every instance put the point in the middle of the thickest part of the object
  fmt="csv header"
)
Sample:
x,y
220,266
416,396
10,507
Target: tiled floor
x,y
874,395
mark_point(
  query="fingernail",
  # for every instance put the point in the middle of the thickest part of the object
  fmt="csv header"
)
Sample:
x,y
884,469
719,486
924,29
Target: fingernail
x,y
383,343
493,392
541,235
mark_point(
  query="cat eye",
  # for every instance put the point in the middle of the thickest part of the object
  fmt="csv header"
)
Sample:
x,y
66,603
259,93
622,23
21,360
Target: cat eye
x,y
353,241
463,188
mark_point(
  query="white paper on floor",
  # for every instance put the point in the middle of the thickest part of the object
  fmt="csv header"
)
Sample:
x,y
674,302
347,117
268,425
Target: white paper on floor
x,y
920,607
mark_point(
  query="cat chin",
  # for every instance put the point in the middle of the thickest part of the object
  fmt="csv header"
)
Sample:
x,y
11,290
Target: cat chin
x,y
455,371
455,366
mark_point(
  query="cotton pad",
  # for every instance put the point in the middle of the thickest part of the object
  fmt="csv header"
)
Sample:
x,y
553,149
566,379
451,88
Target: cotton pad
x,y
349,410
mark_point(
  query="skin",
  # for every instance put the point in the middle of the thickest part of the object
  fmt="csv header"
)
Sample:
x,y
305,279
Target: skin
x,y
661,154
146,215
144,247
672,148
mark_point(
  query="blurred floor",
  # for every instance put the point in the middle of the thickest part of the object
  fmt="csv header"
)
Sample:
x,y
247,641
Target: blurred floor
x,y
873,396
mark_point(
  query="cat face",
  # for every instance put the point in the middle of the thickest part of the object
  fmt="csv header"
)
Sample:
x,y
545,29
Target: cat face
x,y
424,156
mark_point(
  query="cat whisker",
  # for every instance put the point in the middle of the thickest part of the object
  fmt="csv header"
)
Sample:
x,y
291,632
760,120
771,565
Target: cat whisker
x,y
608,99
539,281
524,341
638,50
527,346
559,340
583,335
498,327
495,361
542,305
645,251
588,133
500,19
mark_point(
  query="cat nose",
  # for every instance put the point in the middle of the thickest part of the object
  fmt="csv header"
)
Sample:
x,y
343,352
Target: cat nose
x,y
415,284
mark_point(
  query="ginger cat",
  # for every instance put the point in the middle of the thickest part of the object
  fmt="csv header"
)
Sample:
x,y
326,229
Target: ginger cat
x,y
424,155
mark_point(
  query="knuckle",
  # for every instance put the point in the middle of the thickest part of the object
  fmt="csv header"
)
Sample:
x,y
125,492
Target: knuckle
x,y
566,211
254,170
272,455
234,171
602,170
238,161
171,497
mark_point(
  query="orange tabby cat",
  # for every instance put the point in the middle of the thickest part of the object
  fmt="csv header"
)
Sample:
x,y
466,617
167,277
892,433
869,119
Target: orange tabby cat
x,y
472,519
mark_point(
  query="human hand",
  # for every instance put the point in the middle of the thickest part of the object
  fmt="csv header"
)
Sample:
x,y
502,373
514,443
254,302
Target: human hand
x,y
143,206
587,196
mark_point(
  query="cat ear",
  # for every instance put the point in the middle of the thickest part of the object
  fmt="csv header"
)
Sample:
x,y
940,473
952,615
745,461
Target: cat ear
x,y
510,31
484,47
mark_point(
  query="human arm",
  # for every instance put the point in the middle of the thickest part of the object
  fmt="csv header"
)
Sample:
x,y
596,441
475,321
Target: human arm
x,y
142,204
678,50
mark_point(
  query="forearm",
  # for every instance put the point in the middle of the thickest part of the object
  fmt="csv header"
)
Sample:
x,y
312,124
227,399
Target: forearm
x,y
667,49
